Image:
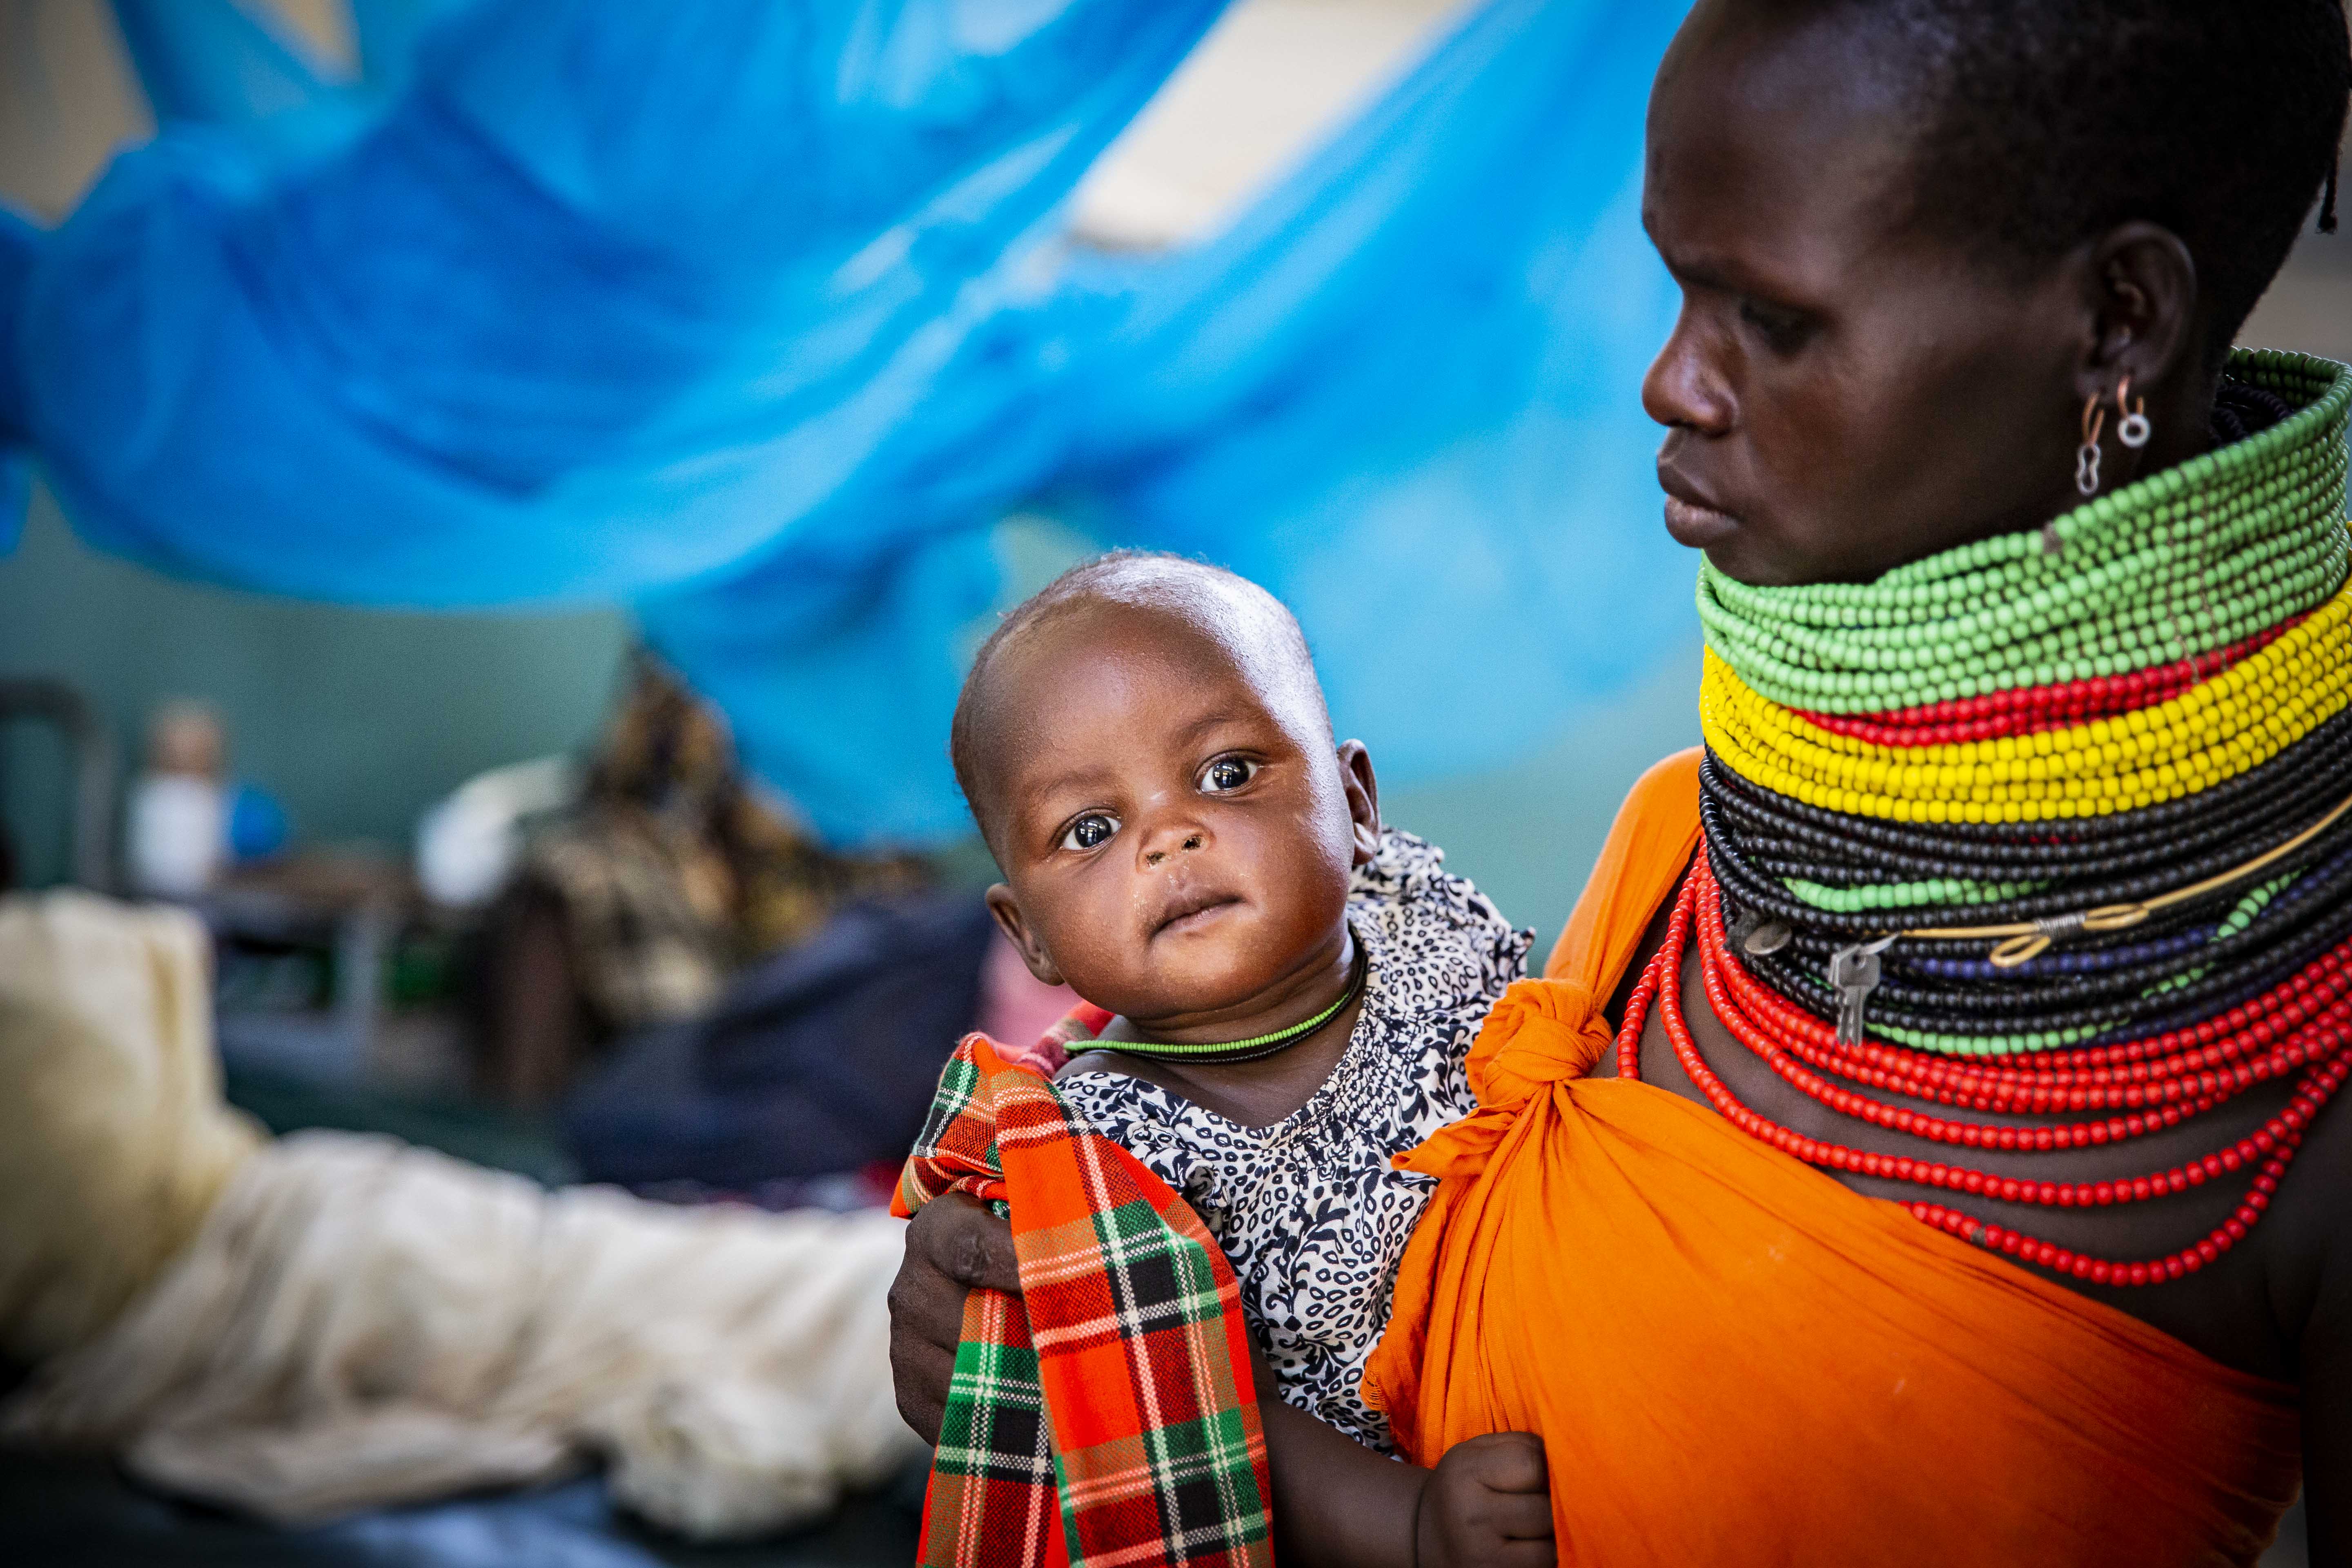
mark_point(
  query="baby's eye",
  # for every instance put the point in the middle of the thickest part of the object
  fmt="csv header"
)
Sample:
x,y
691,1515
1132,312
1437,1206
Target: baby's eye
x,y
1090,831
1227,773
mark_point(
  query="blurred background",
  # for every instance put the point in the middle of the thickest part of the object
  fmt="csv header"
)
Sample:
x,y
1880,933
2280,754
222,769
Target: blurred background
x,y
356,722
505,883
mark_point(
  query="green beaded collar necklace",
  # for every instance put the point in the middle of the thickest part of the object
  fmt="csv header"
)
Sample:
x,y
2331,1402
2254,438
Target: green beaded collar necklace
x,y
2181,563
1222,1052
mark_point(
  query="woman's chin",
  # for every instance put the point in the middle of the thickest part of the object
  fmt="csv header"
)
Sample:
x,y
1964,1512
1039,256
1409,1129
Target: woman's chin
x,y
1696,527
1745,558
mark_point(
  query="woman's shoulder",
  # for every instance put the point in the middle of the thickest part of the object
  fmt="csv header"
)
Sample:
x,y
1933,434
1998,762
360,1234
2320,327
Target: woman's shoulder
x,y
1642,861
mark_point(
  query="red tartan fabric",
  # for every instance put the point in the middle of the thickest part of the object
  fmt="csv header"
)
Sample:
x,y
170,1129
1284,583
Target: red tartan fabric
x,y
1117,1390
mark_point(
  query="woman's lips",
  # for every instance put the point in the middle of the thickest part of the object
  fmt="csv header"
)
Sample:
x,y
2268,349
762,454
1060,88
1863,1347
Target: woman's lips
x,y
1697,526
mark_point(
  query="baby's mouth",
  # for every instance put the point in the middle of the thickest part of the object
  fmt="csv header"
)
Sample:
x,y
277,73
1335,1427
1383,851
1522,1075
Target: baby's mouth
x,y
1191,910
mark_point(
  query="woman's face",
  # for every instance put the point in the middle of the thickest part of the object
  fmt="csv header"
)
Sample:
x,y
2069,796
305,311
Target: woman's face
x,y
1842,392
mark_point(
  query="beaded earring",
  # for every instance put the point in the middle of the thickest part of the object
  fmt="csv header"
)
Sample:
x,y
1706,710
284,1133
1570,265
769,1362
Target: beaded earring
x,y
2087,455
2086,469
2134,430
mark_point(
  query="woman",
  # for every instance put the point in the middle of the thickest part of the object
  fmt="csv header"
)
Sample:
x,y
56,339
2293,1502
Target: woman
x,y
1957,275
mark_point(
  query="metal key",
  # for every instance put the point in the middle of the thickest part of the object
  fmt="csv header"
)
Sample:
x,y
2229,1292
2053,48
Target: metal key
x,y
1853,976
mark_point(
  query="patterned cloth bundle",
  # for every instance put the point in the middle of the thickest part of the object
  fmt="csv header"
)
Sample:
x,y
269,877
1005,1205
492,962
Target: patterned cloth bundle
x,y
1107,1414
2054,821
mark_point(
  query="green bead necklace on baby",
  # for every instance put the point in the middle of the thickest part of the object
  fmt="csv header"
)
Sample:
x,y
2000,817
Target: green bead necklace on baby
x,y
1222,1052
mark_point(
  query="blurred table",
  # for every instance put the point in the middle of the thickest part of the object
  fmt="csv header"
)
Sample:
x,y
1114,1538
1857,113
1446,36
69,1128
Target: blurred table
x,y
277,925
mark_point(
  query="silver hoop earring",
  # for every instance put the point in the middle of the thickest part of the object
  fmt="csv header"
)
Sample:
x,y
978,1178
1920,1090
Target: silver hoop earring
x,y
2134,430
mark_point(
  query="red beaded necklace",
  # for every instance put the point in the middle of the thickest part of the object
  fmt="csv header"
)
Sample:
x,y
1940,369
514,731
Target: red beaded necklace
x,y
2304,1022
2023,710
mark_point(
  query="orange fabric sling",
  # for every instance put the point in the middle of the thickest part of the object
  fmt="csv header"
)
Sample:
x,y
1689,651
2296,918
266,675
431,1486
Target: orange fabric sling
x,y
1735,1360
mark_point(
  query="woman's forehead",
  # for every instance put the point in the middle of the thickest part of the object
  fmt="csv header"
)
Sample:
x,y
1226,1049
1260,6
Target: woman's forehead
x,y
1764,153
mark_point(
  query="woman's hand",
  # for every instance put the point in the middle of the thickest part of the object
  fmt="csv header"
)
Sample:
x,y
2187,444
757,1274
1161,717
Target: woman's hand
x,y
1488,1503
953,1246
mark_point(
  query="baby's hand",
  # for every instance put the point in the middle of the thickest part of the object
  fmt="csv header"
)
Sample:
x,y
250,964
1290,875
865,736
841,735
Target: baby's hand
x,y
1486,1505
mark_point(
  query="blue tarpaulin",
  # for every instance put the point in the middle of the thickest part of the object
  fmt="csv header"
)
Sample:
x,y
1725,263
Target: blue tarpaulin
x,y
758,316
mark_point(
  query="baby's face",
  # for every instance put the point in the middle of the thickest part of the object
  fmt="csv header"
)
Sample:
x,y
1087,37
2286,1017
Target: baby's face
x,y
1176,835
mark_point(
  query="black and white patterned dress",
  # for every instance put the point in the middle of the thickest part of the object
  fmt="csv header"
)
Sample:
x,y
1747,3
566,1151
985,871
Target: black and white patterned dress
x,y
1309,1210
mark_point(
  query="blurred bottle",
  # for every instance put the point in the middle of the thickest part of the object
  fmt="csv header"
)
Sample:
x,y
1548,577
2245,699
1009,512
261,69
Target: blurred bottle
x,y
178,809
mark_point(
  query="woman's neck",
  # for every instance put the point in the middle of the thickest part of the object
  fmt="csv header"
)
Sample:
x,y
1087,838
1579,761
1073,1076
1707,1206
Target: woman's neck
x,y
2040,837
2181,426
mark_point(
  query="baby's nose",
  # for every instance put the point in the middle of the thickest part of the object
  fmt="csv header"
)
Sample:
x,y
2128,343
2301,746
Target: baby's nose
x,y
1154,856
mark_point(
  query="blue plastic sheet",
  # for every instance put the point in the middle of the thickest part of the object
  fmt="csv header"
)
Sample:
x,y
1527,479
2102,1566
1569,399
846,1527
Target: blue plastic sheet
x,y
214,61
1402,392
753,315
387,33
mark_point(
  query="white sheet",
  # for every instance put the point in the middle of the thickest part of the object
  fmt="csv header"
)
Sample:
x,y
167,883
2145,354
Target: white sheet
x,y
329,1322
359,1322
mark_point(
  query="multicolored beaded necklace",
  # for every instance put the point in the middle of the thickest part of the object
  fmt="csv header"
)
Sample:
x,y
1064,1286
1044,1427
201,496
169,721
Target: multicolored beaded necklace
x,y
2056,833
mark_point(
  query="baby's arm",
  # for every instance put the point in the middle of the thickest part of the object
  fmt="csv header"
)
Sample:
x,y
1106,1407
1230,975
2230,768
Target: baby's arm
x,y
1337,1503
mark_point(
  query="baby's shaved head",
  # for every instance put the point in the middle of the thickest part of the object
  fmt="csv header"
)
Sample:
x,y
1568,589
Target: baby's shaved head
x,y
1197,601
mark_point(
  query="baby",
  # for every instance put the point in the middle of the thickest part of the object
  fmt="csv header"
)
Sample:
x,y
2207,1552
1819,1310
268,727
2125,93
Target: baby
x,y
1281,996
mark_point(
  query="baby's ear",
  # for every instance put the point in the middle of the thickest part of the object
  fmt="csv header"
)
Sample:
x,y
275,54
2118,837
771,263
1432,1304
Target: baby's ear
x,y
1363,799
1010,921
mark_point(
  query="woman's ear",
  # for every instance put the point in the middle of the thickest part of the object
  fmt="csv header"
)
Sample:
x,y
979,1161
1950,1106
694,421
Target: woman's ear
x,y
2145,300
1009,920
2147,327
1363,799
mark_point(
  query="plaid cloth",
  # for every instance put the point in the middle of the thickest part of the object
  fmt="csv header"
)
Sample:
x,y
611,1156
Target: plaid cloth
x,y
1113,1396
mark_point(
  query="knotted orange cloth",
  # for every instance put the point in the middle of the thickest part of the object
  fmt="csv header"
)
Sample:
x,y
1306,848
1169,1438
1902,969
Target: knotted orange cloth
x,y
1734,1360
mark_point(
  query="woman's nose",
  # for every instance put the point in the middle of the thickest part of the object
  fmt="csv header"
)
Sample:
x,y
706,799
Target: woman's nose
x,y
1685,390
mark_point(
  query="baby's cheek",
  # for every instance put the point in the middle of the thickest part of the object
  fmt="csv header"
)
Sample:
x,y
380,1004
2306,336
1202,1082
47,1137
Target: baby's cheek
x,y
1305,876
1092,939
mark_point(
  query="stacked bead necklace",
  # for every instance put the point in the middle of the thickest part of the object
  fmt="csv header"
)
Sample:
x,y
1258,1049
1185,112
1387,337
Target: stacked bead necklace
x,y
2049,832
